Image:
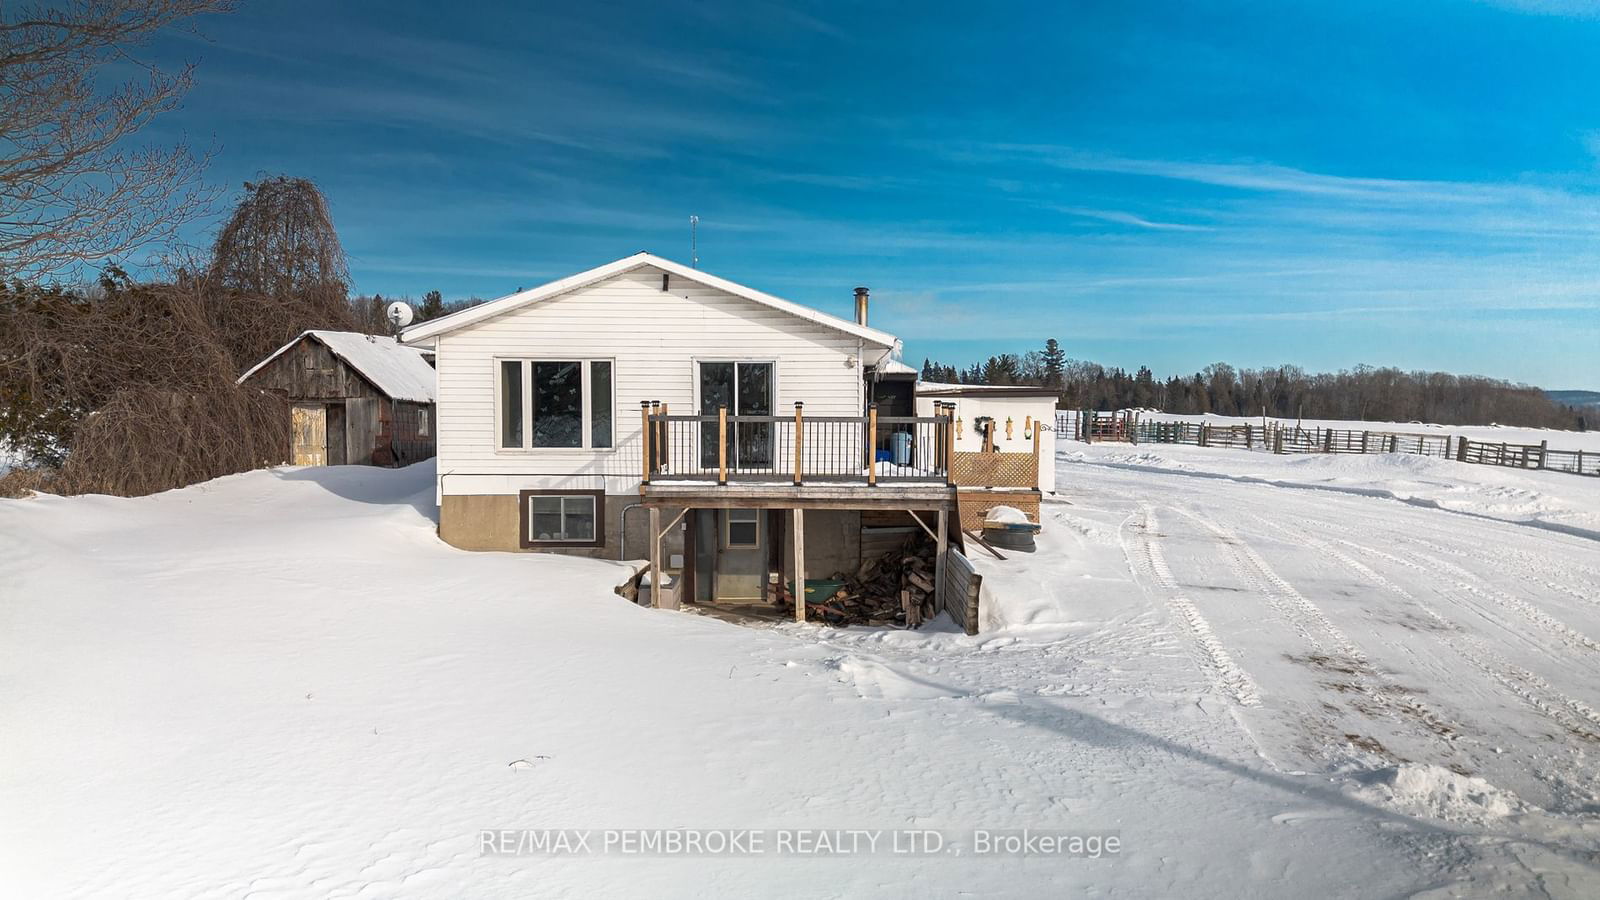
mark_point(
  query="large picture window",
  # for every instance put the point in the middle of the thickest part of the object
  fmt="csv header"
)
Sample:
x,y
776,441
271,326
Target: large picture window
x,y
563,518
555,404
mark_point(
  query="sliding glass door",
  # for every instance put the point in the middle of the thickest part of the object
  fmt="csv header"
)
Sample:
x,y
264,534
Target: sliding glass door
x,y
745,388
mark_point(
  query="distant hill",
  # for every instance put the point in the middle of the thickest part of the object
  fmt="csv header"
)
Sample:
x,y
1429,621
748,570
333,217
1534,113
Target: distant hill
x,y
1575,398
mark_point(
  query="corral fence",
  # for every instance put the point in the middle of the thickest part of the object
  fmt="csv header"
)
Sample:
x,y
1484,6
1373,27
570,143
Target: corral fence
x,y
1274,437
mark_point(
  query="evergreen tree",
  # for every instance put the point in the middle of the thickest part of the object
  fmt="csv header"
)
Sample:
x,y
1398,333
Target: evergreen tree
x,y
432,306
1055,365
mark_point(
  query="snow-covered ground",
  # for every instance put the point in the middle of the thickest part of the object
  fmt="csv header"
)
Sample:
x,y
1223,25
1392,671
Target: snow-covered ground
x,y
1263,677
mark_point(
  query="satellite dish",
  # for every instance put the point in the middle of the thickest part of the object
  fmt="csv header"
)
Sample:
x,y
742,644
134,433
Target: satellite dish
x,y
399,314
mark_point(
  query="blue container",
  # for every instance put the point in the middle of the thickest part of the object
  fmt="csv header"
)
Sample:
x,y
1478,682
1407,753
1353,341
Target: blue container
x,y
900,446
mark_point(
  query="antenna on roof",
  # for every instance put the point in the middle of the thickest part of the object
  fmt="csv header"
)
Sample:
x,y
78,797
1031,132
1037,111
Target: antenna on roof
x,y
694,242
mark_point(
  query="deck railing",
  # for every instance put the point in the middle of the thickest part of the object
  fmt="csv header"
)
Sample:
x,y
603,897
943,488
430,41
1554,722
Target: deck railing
x,y
797,449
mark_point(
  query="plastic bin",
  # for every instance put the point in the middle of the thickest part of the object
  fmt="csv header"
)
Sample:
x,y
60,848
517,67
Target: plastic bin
x,y
900,446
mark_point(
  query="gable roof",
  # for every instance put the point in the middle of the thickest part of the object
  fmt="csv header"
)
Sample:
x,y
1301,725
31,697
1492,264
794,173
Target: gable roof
x,y
399,371
435,327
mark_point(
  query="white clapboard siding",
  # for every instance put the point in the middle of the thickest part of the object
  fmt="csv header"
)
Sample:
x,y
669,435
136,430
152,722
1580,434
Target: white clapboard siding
x,y
655,337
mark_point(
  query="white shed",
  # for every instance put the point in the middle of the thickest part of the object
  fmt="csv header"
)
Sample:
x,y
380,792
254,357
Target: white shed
x,y
1025,408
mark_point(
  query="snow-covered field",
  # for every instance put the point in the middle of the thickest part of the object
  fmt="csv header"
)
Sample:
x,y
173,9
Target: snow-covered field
x,y
1509,434
1266,676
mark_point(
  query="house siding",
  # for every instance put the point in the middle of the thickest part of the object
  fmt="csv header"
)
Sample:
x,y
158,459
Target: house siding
x,y
655,338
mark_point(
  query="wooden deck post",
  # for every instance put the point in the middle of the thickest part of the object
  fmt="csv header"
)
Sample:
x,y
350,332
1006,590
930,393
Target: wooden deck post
x,y
663,460
799,524
939,559
1036,478
952,431
644,438
655,556
799,442
655,434
872,444
722,445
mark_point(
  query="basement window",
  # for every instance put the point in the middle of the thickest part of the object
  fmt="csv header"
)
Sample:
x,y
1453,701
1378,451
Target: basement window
x,y
563,518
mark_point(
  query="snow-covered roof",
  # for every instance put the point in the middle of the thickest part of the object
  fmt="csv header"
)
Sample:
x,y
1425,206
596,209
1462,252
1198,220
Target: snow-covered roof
x,y
935,389
401,372
894,367
435,327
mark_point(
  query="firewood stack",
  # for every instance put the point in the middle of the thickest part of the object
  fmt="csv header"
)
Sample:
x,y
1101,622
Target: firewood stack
x,y
893,589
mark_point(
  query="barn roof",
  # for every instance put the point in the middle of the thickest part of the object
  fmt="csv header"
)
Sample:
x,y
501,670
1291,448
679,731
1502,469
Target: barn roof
x,y
397,370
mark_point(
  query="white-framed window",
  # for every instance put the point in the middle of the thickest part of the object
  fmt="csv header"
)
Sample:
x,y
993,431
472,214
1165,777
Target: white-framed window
x,y
741,529
554,404
568,519
422,422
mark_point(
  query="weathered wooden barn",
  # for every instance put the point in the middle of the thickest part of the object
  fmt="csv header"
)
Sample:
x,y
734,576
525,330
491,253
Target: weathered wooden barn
x,y
354,399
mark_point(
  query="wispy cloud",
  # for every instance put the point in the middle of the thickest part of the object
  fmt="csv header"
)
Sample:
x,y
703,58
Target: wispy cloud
x,y
1126,218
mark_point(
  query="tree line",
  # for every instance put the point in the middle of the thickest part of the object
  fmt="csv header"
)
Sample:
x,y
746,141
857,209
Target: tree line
x,y
1364,393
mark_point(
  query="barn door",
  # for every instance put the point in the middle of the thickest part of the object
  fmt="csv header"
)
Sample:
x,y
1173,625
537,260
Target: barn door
x,y
309,421
336,434
361,425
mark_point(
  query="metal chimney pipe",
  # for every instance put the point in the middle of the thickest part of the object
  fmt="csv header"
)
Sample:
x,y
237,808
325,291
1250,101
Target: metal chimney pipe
x,y
861,306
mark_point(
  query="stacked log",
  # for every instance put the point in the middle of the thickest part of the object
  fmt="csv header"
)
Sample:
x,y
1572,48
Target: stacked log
x,y
896,588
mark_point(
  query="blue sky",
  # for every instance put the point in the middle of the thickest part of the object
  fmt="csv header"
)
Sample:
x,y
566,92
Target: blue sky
x,y
1169,184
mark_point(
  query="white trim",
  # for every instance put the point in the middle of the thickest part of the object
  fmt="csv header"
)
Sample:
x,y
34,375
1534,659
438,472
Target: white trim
x,y
434,327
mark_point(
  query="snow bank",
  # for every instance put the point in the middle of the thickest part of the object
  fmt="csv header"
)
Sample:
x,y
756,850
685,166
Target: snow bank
x,y
1422,789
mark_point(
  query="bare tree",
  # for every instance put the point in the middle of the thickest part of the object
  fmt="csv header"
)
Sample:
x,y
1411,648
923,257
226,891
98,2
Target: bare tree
x,y
71,189
277,269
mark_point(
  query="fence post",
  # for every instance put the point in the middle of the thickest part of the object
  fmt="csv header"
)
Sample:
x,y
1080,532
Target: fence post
x,y
722,445
1327,441
1249,439
1461,449
1205,434
1364,436
1277,442
644,438
1544,448
872,443
799,440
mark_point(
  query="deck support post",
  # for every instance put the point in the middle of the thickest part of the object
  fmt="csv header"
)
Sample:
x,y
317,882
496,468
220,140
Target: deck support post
x,y
799,524
655,556
940,554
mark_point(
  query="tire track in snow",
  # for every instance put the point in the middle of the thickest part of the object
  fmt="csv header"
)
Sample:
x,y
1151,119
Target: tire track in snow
x,y
1570,713
1225,674
1518,563
1308,619
1463,581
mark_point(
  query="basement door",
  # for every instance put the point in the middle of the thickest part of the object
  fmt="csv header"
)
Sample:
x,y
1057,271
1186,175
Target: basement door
x,y
309,424
741,569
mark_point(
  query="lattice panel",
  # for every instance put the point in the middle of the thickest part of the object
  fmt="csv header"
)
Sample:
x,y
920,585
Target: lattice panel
x,y
994,470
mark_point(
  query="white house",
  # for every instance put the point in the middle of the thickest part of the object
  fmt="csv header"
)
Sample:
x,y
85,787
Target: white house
x,y
644,408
